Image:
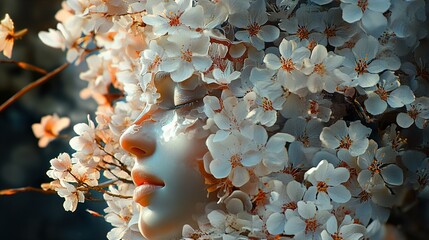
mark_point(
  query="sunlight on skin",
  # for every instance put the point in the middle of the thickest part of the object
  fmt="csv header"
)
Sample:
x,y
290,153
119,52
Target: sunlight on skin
x,y
166,169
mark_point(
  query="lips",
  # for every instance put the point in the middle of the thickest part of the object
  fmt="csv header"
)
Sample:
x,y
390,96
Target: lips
x,y
146,184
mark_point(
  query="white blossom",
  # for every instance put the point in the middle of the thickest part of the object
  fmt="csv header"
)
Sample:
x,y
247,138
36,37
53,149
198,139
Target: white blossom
x,y
353,138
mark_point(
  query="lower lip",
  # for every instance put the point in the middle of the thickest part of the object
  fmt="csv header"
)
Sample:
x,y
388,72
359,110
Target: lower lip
x,y
143,193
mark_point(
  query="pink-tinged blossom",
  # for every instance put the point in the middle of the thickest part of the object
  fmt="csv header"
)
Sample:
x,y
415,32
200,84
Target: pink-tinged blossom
x,y
66,37
85,144
60,166
7,36
123,214
49,128
71,196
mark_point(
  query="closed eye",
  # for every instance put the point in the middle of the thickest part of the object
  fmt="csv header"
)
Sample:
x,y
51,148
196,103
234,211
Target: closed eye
x,y
187,104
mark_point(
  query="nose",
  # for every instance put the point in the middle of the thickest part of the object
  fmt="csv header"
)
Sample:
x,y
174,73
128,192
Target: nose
x,y
138,141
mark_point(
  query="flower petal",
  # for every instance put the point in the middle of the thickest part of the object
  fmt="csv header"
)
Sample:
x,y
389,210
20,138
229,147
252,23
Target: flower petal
x,y
339,194
392,174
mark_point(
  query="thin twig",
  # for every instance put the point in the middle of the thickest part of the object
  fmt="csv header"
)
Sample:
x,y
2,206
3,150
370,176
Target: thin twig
x,y
12,191
121,165
31,86
113,194
25,66
119,178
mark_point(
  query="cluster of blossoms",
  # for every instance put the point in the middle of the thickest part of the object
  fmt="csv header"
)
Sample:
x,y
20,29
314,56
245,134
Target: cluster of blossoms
x,y
319,130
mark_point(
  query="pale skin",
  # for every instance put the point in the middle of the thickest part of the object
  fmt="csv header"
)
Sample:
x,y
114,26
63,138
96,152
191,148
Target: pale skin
x,y
167,161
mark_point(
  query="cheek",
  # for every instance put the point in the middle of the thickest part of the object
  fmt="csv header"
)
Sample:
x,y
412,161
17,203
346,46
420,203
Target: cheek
x,y
184,156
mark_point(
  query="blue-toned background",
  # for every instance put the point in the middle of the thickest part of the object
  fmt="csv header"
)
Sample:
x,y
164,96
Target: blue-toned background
x,y
34,215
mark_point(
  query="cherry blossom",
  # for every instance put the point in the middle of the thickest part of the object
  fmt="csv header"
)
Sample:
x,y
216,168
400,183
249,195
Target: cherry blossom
x,y
186,55
60,166
307,221
306,132
346,230
66,37
49,128
174,17
390,91
327,184
353,138
379,163
229,114
362,63
232,157
370,12
418,165
7,36
282,199
304,26
123,215
417,111
71,195
336,32
323,66
289,64
87,149
253,22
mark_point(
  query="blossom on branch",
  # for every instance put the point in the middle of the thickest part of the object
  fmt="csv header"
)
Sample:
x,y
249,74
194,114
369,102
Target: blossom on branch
x,y
49,128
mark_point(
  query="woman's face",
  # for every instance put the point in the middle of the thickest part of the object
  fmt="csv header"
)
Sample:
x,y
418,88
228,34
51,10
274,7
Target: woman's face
x,y
169,185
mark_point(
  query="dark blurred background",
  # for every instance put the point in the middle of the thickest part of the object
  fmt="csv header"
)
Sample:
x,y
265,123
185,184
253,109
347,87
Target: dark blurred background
x,y
32,215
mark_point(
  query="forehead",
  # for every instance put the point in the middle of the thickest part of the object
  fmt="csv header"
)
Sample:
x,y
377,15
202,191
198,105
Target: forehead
x,y
173,93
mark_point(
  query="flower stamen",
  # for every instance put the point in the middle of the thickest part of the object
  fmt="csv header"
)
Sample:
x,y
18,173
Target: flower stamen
x,y
310,225
253,29
186,55
322,187
267,104
287,64
302,32
361,67
346,142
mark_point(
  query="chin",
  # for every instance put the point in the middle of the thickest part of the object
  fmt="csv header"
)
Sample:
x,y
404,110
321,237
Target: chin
x,y
152,226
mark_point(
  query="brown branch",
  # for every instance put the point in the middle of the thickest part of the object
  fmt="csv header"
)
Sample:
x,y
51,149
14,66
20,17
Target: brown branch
x,y
12,191
121,165
31,86
116,176
113,194
25,66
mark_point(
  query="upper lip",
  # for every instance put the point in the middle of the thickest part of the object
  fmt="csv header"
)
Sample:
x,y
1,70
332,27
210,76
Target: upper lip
x,y
141,178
